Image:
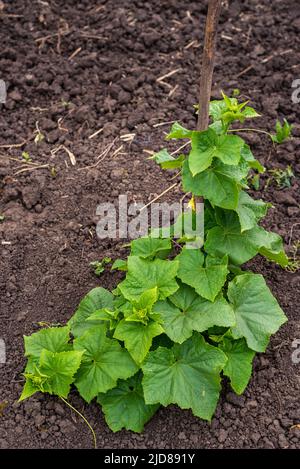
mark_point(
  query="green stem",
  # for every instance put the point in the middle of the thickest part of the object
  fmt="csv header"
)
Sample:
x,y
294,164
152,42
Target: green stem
x,y
251,130
83,418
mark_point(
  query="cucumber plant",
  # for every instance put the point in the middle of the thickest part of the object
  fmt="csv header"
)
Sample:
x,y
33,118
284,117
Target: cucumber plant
x,y
182,319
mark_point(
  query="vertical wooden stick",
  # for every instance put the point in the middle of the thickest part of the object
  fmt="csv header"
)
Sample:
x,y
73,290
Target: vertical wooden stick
x,y
208,58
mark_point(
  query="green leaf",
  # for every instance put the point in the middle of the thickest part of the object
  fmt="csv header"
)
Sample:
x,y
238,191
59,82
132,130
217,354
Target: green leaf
x,y
60,367
230,103
119,264
177,132
275,254
217,127
270,245
167,161
237,173
241,247
35,380
161,156
247,155
207,145
250,113
203,150
229,110
140,310
146,300
189,259
229,149
53,372
238,367
125,407
217,107
212,260
144,274
207,281
258,315
29,389
185,312
54,339
103,363
174,163
250,211
187,375
137,337
105,315
99,266
148,247
213,185
97,298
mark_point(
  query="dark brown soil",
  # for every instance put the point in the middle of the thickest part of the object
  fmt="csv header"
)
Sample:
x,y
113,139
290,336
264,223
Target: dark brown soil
x,y
76,67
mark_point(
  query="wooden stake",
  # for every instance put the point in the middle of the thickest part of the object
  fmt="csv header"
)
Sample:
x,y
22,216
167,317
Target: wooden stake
x,y
208,58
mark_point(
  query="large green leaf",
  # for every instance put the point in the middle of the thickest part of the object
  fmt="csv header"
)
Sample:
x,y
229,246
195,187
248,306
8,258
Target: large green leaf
x,y
144,275
137,337
60,367
103,363
150,247
185,312
207,281
189,259
125,407
250,211
98,298
258,315
213,184
207,145
238,367
241,247
54,339
53,373
187,375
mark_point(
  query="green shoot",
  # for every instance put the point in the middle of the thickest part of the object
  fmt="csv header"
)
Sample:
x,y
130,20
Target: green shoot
x,y
283,132
99,266
281,177
26,157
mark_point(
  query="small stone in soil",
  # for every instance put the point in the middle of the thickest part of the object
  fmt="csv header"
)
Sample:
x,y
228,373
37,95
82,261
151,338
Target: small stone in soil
x,y
222,435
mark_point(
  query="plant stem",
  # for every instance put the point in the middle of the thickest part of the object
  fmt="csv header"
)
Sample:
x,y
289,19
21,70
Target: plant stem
x,y
83,418
207,68
208,59
251,130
